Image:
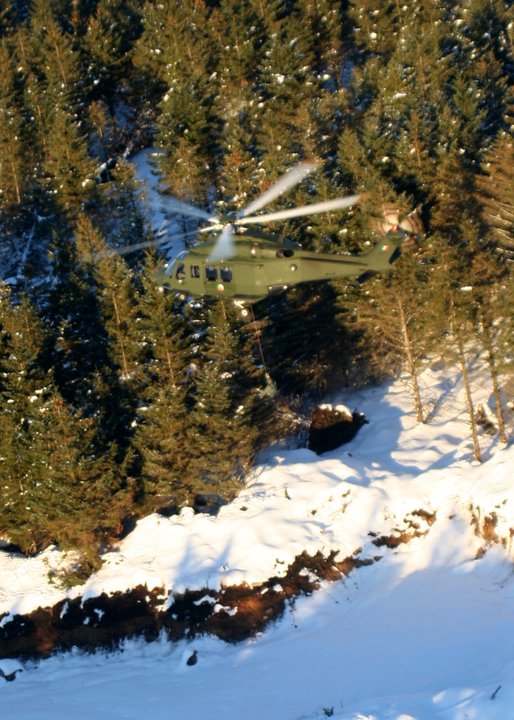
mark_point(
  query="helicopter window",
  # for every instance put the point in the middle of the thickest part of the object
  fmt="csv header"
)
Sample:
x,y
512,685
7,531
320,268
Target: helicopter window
x,y
285,252
195,271
226,274
211,273
181,273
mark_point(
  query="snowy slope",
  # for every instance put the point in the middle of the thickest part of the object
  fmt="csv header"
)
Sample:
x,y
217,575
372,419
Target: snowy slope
x,y
427,631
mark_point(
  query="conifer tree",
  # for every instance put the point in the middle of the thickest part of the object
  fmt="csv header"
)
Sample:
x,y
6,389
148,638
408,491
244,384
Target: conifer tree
x,y
116,296
82,352
451,276
122,216
174,49
324,21
162,330
398,309
287,83
60,476
12,156
237,171
111,31
162,416
56,100
161,443
220,440
494,300
376,27
21,384
80,343
496,188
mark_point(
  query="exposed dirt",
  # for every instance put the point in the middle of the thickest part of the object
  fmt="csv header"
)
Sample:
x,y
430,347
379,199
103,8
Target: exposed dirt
x,y
486,527
415,525
233,613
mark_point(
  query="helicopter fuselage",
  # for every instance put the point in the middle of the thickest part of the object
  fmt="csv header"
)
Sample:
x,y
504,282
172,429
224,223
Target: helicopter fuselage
x,y
261,267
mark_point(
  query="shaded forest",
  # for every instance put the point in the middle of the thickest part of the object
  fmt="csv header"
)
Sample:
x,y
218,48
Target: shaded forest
x,y
117,399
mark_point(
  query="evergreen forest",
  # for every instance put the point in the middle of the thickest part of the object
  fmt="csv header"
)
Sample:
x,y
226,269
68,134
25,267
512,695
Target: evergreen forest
x,y
116,399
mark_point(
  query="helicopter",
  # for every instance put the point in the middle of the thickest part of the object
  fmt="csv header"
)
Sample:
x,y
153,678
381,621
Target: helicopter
x,y
246,265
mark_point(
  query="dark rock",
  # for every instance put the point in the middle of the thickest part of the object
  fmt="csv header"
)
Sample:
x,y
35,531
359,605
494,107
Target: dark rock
x,y
209,503
193,659
332,426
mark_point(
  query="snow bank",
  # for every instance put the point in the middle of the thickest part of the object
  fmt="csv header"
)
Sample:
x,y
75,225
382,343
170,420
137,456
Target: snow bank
x,y
426,632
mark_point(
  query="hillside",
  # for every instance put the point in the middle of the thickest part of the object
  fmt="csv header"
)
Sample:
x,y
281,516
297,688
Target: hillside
x,y
371,582
422,629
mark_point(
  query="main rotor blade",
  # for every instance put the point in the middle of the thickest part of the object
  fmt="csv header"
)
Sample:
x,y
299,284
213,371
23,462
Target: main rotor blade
x,y
224,247
133,248
141,246
184,208
326,206
291,178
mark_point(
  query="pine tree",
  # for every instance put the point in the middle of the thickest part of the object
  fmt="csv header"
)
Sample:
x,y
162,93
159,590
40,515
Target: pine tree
x,y
69,172
111,32
116,295
287,83
162,416
160,441
173,44
398,309
237,172
455,312
376,27
496,186
22,382
56,101
61,475
162,330
324,21
12,156
238,35
82,351
306,346
80,343
122,216
219,437
174,49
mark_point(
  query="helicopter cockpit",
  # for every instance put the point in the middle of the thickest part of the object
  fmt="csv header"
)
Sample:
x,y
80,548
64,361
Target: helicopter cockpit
x,y
174,266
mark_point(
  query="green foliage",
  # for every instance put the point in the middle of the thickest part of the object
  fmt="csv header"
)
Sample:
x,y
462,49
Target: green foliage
x,y
220,436
156,401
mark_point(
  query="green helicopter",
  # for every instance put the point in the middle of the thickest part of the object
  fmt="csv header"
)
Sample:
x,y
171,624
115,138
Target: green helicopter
x,y
244,264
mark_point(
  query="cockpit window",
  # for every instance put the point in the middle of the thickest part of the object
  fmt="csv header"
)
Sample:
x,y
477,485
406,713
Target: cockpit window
x,y
211,273
195,271
181,272
226,274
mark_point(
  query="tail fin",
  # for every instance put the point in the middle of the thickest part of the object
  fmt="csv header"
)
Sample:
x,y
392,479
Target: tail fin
x,y
385,252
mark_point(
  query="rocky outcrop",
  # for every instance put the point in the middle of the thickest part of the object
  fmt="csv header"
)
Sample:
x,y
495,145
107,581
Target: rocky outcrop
x,y
332,426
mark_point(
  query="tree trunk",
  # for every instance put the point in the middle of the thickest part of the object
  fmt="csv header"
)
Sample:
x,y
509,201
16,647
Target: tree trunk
x,y
471,410
491,361
170,364
411,365
124,364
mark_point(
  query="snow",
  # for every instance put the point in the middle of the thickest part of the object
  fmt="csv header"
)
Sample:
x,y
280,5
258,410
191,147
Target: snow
x,y
425,632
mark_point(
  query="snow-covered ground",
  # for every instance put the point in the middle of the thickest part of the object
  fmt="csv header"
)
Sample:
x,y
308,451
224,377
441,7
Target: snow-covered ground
x,y
426,632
